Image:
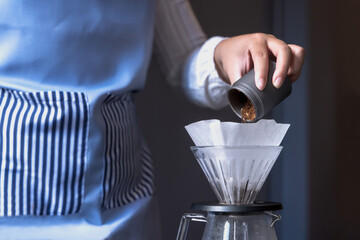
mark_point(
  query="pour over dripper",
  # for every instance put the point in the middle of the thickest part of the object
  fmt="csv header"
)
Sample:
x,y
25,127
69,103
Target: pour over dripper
x,y
236,173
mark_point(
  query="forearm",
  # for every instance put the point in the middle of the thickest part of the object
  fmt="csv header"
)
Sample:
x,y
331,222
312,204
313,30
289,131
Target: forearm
x,y
200,79
185,56
177,35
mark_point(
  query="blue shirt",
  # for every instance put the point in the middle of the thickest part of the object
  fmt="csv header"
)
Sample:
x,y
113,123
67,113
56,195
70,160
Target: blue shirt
x,y
73,164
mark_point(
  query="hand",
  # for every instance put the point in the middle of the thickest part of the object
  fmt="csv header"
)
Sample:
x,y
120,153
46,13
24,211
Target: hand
x,y
235,56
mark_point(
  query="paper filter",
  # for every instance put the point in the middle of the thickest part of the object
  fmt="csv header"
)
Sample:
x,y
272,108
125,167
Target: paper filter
x,y
216,133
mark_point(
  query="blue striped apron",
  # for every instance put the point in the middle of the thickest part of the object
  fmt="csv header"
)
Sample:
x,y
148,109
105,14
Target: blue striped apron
x,y
43,143
73,164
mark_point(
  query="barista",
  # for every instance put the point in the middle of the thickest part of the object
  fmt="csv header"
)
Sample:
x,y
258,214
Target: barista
x,y
73,164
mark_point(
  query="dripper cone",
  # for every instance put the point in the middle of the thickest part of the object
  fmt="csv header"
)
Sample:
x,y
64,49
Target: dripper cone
x,y
236,173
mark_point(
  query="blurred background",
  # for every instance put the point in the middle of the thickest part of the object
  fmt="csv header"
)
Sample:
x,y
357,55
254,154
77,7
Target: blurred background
x,y
317,177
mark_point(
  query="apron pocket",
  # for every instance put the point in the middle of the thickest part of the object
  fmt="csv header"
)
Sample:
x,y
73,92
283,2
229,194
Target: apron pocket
x,y
128,172
43,143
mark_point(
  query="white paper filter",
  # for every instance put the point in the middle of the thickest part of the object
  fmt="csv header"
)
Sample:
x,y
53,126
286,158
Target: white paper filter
x,y
215,133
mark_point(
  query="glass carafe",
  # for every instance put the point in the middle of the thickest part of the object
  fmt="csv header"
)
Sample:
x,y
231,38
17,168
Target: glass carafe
x,y
234,222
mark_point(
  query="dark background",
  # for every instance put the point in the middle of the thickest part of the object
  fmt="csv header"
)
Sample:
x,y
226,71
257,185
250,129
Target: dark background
x,y
317,177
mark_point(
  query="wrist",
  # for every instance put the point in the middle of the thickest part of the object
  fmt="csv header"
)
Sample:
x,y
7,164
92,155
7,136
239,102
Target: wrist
x,y
218,61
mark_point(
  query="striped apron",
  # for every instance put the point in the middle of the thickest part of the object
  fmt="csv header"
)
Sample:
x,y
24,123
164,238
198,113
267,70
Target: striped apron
x,y
44,163
73,163
43,145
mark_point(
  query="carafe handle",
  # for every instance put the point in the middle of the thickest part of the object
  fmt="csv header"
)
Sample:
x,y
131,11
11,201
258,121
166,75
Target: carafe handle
x,y
184,224
276,217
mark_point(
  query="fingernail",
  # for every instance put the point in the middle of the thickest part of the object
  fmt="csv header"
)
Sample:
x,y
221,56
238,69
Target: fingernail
x,y
260,83
278,82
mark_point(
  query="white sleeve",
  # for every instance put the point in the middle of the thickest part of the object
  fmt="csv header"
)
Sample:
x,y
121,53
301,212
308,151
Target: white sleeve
x,y
184,54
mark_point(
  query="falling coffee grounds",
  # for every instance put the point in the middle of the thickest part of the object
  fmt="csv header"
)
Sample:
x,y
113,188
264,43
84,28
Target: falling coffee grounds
x,y
248,113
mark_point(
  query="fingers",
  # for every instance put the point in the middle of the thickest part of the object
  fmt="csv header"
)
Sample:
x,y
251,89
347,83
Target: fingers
x,y
235,56
260,57
297,61
283,55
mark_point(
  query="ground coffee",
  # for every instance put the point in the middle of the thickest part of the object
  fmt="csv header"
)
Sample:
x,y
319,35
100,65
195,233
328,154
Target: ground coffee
x,y
248,113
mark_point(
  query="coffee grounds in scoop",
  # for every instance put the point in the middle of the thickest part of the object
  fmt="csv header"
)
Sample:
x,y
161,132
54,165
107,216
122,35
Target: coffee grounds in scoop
x,y
248,113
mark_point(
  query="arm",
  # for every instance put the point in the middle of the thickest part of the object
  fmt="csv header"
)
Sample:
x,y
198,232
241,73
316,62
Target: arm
x,y
185,55
198,65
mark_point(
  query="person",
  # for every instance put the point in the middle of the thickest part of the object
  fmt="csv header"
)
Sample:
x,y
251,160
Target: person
x,y
73,164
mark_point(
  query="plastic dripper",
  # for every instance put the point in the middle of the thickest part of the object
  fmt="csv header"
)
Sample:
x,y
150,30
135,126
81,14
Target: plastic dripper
x,y
236,173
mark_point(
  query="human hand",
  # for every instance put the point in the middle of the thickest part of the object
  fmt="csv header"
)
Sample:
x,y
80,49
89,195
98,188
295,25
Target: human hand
x,y
235,56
